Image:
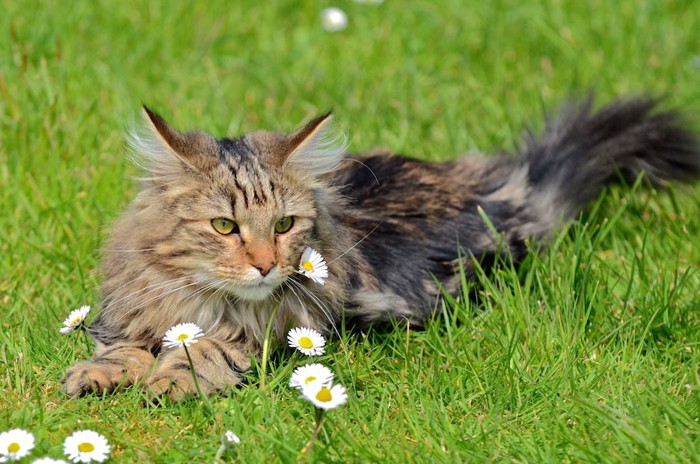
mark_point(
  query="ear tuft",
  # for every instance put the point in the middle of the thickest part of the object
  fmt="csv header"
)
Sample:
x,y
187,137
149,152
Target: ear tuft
x,y
161,150
315,149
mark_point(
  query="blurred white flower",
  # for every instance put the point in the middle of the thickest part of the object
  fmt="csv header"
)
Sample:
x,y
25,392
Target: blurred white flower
x,y
86,446
325,396
311,373
75,319
182,334
334,19
15,444
231,438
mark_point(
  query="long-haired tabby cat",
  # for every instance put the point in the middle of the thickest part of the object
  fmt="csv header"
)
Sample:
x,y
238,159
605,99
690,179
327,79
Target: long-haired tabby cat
x,y
215,233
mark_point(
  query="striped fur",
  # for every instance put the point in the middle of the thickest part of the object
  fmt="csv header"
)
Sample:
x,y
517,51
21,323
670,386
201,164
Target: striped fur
x,y
387,225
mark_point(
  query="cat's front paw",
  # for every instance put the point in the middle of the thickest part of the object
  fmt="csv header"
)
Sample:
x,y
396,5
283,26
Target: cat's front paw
x,y
91,377
175,384
114,367
216,366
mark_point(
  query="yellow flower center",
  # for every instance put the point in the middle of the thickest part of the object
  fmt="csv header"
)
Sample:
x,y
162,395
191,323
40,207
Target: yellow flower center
x,y
324,394
183,337
76,321
309,379
307,265
13,448
86,447
306,342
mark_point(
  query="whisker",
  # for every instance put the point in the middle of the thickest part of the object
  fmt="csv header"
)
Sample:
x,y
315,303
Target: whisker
x,y
357,243
141,304
119,250
320,304
147,289
354,160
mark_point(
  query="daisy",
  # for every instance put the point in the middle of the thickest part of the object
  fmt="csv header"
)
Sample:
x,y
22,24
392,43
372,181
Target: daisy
x,y
48,461
86,446
75,319
325,396
313,266
311,373
334,19
182,334
231,438
308,341
15,444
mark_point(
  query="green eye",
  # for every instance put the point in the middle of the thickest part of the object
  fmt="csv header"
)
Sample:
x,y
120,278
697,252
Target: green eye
x,y
224,226
283,225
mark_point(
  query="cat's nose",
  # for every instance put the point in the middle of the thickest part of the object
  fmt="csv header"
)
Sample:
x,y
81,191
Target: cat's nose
x,y
262,258
264,268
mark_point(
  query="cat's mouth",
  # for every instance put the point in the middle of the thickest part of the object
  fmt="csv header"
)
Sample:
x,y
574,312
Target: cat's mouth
x,y
255,289
253,292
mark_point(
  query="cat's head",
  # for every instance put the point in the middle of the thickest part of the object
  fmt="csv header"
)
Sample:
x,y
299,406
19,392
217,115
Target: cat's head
x,y
233,214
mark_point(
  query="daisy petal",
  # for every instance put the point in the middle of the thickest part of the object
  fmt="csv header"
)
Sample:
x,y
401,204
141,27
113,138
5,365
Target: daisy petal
x,y
313,266
182,334
75,319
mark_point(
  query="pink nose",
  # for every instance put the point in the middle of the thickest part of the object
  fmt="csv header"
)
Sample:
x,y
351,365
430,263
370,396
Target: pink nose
x,y
261,257
264,266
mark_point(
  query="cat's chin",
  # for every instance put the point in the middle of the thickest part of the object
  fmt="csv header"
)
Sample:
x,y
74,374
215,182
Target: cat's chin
x,y
252,292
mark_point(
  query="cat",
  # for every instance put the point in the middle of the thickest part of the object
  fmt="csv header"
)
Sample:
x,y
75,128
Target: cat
x,y
215,233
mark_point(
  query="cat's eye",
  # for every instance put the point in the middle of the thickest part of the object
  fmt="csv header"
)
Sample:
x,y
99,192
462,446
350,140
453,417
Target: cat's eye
x,y
225,226
283,225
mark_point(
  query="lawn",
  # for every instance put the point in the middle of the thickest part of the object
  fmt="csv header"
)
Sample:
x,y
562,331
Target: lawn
x,y
589,353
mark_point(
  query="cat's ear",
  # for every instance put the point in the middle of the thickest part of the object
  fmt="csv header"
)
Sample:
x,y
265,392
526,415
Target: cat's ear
x,y
315,149
163,150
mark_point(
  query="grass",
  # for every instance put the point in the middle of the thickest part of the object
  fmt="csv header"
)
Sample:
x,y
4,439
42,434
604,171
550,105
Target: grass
x,y
588,353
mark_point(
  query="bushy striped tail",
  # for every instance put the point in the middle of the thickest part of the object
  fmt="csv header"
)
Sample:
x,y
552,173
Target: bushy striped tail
x,y
582,151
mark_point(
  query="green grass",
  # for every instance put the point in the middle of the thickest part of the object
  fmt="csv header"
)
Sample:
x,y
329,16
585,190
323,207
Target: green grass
x,y
588,353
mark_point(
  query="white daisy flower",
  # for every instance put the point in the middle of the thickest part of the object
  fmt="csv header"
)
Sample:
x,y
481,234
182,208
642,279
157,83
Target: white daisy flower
x,y
306,340
311,373
182,334
313,266
48,461
86,446
75,319
231,438
325,396
334,19
15,444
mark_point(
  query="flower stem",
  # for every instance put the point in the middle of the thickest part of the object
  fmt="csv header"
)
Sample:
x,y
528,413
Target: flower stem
x,y
266,345
86,335
320,417
194,379
220,453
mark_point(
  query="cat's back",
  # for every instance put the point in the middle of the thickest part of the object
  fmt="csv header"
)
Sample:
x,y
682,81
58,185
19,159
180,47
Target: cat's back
x,y
407,186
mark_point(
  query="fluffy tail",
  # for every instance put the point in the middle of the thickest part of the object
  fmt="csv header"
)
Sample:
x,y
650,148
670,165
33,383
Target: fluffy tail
x,y
581,152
